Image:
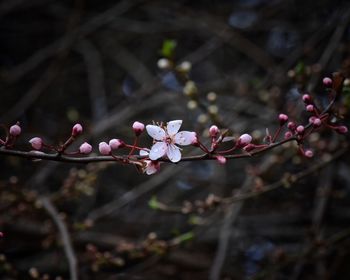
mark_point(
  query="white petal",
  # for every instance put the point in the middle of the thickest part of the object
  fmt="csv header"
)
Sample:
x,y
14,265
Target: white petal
x,y
155,132
173,127
144,153
185,138
158,150
173,153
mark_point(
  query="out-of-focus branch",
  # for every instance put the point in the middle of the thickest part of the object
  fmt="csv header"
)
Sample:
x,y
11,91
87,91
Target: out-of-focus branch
x,y
66,240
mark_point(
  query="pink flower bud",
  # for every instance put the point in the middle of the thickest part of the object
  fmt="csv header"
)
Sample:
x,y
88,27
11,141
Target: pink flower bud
x,y
312,119
138,128
283,118
77,129
341,129
317,122
327,81
15,130
221,159
1,234
213,131
309,153
288,135
244,140
300,129
116,143
85,148
104,148
307,98
310,108
36,142
291,126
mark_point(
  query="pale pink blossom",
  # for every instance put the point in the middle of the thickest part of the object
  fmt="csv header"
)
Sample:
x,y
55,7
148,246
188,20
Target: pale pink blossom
x,y
15,130
151,166
77,129
166,139
104,148
85,148
115,143
36,142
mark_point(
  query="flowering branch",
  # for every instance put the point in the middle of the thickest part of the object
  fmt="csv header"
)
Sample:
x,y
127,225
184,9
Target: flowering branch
x,y
167,138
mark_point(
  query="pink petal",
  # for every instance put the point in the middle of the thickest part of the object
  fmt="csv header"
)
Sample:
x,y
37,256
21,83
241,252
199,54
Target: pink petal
x,y
158,150
152,167
173,153
173,127
185,138
156,132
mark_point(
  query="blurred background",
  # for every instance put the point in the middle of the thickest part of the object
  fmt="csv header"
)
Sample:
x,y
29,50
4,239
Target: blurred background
x,y
236,64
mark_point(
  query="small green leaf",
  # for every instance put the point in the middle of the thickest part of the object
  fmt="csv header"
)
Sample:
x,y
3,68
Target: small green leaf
x,y
300,68
168,48
153,203
186,236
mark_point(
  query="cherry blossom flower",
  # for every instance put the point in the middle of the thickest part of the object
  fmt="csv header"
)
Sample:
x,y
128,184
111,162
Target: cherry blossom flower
x,y
151,166
166,138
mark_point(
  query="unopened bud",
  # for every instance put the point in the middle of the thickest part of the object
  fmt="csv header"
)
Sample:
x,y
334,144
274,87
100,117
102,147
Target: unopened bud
x,y
213,131
244,140
288,135
309,153
327,81
36,142
291,126
138,128
300,129
15,130
104,148
85,148
317,122
221,159
116,144
283,118
307,98
341,129
310,108
77,130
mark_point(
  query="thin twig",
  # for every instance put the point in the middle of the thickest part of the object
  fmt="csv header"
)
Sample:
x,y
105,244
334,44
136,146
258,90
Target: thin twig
x,y
66,240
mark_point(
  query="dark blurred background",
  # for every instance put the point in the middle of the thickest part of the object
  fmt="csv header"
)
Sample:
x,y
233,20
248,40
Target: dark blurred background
x,y
95,62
